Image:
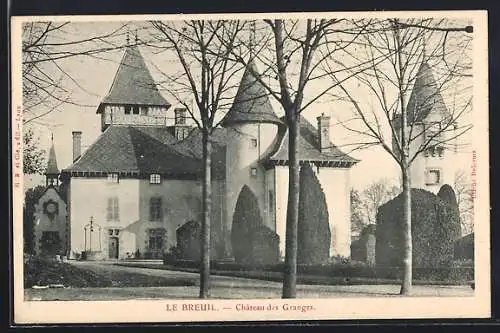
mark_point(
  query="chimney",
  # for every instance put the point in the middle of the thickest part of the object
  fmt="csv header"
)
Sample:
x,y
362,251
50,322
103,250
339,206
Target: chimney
x,y
324,132
77,145
181,128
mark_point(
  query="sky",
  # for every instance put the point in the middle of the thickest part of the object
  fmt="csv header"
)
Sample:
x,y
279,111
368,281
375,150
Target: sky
x,y
91,79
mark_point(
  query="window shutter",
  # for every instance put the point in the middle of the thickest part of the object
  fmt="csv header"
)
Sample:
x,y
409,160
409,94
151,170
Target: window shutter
x,y
109,215
116,210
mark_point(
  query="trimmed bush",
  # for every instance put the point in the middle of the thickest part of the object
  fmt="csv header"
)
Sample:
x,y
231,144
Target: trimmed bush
x,y
314,236
448,196
188,241
464,248
363,249
31,197
264,246
432,232
246,217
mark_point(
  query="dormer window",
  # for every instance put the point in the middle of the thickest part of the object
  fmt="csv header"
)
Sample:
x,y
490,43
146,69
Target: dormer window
x,y
113,177
155,178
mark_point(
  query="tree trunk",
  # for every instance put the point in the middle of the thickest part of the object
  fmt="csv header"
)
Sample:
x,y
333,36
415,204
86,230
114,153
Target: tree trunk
x,y
207,205
290,273
407,254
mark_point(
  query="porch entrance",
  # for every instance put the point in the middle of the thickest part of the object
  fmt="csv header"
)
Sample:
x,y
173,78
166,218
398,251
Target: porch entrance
x,y
113,245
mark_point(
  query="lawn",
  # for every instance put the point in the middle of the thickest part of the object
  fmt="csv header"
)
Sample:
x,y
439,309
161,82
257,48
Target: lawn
x,y
309,279
45,272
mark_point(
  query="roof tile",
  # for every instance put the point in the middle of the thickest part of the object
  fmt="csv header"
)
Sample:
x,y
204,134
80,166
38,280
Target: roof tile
x,y
133,83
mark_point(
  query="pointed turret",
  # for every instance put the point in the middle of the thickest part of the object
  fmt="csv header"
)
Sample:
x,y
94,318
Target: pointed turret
x,y
426,97
52,172
133,83
251,104
134,98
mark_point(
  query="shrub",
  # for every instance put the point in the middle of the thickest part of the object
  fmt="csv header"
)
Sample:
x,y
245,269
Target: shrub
x,y
314,236
264,246
31,197
246,217
464,248
432,233
188,241
447,194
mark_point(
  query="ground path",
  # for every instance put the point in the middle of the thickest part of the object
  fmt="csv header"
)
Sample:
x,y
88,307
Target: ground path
x,y
224,287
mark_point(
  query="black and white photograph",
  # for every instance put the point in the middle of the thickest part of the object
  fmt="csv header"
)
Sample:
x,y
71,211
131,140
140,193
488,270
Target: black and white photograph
x,y
172,168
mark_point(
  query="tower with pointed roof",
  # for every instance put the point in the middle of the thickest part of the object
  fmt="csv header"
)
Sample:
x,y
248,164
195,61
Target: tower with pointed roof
x,y
252,127
134,98
52,172
429,121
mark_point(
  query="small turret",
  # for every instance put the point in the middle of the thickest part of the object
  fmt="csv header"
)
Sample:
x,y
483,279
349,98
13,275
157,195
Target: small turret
x,y
52,172
252,133
428,121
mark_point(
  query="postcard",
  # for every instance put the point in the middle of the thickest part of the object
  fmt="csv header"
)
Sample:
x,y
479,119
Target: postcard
x,y
250,167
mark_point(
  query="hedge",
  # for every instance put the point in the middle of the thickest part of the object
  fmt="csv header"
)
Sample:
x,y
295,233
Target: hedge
x,y
314,236
251,240
432,231
188,241
456,273
447,194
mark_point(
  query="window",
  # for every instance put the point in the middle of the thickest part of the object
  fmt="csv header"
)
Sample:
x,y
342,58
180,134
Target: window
x,y
135,109
180,117
253,143
433,177
155,178
113,177
271,202
253,172
144,110
113,213
128,108
155,209
440,151
113,232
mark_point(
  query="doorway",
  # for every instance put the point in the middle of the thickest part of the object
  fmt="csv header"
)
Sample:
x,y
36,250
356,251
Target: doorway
x,y
113,244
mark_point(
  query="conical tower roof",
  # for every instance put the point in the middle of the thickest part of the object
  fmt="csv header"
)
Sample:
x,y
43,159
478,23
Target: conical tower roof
x,y
251,104
52,168
133,83
425,97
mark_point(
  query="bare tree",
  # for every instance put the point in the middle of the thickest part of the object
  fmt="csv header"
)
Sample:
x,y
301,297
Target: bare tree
x,y
33,157
207,76
45,81
291,52
463,191
375,195
358,221
395,121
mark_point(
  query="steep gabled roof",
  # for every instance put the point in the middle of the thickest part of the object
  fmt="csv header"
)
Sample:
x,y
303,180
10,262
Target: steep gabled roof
x,y
309,148
52,168
251,103
425,97
133,83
